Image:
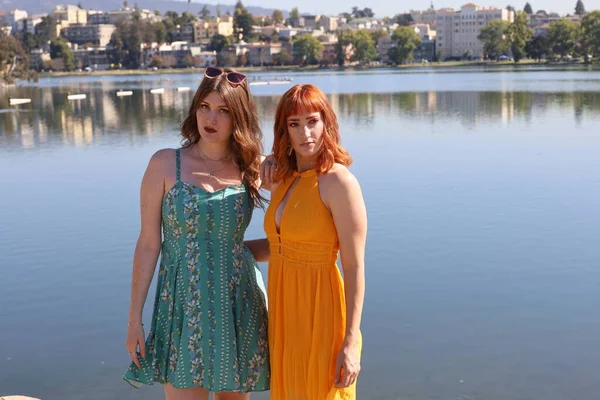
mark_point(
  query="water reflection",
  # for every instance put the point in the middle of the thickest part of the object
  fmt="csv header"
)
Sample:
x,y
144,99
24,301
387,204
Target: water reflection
x,y
50,117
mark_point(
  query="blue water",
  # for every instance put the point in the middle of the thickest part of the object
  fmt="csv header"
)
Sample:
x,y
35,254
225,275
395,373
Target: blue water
x,y
483,196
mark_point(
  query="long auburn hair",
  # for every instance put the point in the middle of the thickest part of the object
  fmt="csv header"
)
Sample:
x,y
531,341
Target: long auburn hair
x,y
246,140
307,99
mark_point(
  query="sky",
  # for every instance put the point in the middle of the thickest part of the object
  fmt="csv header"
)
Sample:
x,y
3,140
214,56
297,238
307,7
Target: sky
x,y
383,8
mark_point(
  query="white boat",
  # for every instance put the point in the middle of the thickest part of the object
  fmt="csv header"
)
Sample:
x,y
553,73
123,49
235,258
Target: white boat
x,y
157,91
275,82
76,96
14,102
124,93
183,89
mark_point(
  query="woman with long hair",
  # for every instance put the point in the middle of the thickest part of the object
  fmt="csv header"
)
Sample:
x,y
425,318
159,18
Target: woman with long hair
x,y
316,211
209,324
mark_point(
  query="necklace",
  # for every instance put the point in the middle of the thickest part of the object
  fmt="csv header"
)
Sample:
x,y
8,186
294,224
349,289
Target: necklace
x,y
208,158
212,173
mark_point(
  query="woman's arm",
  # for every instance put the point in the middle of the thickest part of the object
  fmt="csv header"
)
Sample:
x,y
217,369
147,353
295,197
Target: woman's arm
x,y
147,248
344,198
259,248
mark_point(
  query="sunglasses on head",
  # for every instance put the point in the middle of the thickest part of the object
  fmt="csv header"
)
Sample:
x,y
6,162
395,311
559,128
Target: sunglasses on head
x,y
234,78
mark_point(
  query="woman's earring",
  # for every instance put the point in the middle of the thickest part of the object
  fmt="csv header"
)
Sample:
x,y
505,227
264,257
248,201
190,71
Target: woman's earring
x,y
290,149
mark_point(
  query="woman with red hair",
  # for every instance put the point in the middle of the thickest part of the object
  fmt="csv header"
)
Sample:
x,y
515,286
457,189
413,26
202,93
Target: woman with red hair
x,y
316,211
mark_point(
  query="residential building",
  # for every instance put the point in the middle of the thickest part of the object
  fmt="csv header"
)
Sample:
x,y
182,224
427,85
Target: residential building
x,y
30,23
126,13
425,51
39,59
384,44
70,14
178,54
424,16
260,54
97,17
98,35
360,23
457,31
12,19
541,30
65,15
311,21
329,24
202,31
424,31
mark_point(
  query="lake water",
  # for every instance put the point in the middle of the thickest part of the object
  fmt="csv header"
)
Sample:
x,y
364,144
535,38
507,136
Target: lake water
x,y
483,194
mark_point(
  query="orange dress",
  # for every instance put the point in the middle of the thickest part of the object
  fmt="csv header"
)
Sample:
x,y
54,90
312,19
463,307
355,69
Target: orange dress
x,y
307,307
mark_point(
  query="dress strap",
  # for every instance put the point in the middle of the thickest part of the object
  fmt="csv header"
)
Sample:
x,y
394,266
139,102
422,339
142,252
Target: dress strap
x,y
178,164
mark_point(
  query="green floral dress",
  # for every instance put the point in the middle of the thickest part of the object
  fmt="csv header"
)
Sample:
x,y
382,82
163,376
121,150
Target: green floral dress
x,y
209,326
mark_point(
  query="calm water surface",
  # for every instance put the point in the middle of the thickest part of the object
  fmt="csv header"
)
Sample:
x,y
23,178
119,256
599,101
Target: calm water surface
x,y
483,193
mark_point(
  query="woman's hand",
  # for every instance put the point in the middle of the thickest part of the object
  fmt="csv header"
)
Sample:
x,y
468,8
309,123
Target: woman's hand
x,y
347,366
135,340
267,170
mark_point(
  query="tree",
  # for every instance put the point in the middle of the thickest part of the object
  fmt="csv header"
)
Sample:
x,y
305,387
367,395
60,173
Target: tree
x,y
406,42
528,9
590,33
494,38
520,34
27,40
511,8
378,34
283,58
160,32
277,17
60,49
117,51
562,35
345,39
242,20
45,30
403,19
364,47
537,48
364,13
294,18
307,48
218,42
579,8
125,4
14,61
204,12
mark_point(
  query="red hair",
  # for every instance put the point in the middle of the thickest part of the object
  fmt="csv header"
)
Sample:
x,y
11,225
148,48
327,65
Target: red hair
x,y
302,99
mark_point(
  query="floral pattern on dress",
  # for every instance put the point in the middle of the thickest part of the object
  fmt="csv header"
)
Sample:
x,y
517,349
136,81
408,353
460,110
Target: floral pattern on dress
x,y
206,298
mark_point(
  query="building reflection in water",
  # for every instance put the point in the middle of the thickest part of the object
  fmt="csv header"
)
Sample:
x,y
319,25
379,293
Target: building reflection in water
x,y
50,117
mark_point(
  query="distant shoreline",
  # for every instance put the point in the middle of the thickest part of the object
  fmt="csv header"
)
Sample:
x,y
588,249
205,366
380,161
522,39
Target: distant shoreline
x,y
287,68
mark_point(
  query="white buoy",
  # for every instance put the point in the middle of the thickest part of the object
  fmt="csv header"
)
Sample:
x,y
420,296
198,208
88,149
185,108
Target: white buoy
x,y
14,102
124,93
183,89
157,91
76,96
